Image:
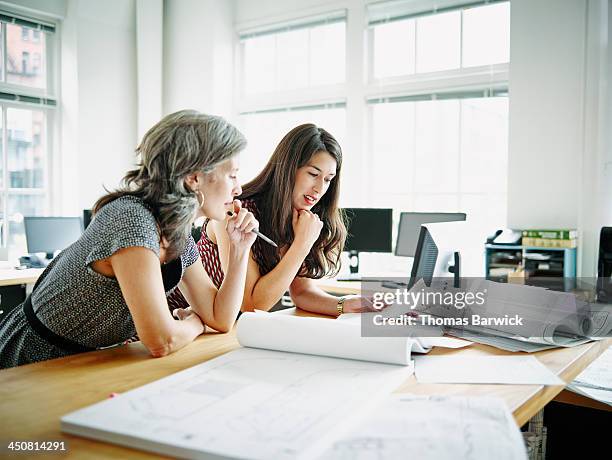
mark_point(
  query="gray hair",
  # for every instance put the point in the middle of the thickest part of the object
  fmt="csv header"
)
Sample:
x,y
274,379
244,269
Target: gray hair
x,y
180,144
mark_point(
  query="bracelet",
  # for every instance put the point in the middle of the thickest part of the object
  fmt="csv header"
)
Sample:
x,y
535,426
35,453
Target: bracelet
x,y
340,305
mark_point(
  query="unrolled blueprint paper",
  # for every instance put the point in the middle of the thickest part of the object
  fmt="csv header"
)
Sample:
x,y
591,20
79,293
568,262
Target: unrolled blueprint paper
x,y
525,370
248,403
596,380
433,428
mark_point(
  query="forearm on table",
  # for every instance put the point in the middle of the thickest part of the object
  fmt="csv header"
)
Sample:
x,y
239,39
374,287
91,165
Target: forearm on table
x,y
315,300
270,288
229,297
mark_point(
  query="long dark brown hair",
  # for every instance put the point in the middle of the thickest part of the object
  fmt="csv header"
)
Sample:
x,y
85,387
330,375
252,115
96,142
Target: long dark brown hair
x,y
272,192
182,143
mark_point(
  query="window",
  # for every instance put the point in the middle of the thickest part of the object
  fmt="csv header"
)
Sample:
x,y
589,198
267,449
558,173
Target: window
x,y
27,108
448,145
264,130
295,55
291,73
463,37
36,63
434,172
20,69
25,62
425,130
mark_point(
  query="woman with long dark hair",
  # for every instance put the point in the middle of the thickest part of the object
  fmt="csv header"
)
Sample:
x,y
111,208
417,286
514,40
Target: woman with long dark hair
x,y
295,199
112,283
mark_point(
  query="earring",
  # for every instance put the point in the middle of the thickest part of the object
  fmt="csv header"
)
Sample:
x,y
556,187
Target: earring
x,y
200,198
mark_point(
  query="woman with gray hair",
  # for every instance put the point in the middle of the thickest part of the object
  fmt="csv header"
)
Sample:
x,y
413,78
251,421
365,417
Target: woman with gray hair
x,y
112,283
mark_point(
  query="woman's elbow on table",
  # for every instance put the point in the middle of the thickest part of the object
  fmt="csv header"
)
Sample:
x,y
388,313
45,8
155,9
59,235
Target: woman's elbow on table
x,y
223,327
159,348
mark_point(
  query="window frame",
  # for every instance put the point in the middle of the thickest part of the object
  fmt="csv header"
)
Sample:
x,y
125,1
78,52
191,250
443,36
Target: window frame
x,y
490,78
31,98
292,98
473,77
413,192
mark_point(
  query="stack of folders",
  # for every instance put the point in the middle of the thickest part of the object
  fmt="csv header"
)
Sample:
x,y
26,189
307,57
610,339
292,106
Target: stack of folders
x,y
550,238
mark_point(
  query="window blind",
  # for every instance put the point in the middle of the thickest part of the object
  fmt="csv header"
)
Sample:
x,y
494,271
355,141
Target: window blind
x,y
397,10
302,23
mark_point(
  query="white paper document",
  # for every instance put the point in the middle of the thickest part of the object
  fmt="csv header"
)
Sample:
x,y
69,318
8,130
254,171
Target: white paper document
x,y
595,381
604,396
248,403
520,370
433,428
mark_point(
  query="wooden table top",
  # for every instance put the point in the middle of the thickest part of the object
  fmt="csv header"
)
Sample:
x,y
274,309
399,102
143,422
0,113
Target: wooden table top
x,y
12,276
35,396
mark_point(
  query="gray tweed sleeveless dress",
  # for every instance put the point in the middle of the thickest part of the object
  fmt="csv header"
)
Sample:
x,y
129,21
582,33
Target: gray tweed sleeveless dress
x,y
77,303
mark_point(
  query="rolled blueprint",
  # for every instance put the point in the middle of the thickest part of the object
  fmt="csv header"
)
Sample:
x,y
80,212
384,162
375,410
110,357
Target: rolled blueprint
x,y
322,337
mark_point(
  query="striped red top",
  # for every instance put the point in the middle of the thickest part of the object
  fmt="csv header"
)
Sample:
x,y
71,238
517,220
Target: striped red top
x,y
209,254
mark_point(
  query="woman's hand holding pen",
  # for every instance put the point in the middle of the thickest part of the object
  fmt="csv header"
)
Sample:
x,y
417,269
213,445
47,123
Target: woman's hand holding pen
x,y
239,227
306,228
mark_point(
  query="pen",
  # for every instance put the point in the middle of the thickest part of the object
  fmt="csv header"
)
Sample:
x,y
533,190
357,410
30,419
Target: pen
x,y
261,235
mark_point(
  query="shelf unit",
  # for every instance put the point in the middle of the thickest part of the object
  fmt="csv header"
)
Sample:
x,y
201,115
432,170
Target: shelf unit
x,y
548,267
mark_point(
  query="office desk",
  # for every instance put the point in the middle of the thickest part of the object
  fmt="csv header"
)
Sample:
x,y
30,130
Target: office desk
x,y
14,286
336,287
12,276
34,397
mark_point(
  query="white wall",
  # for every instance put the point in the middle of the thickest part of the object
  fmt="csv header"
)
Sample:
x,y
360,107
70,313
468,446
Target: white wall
x,y
595,203
150,57
98,98
198,56
556,160
547,41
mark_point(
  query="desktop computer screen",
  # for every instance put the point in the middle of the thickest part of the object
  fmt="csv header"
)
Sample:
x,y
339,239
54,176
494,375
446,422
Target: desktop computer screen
x,y
87,216
50,234
426,255
438,253
369,229
604,266
410,225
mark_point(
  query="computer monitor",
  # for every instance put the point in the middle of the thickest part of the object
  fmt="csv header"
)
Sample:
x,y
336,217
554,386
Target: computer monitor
x,y
50,234
369,230
604,266
410,227
438,253
87,216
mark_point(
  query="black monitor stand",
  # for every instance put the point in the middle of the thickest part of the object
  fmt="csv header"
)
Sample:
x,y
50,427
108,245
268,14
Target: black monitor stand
x,y
455,269
355,276
353,267
354,262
